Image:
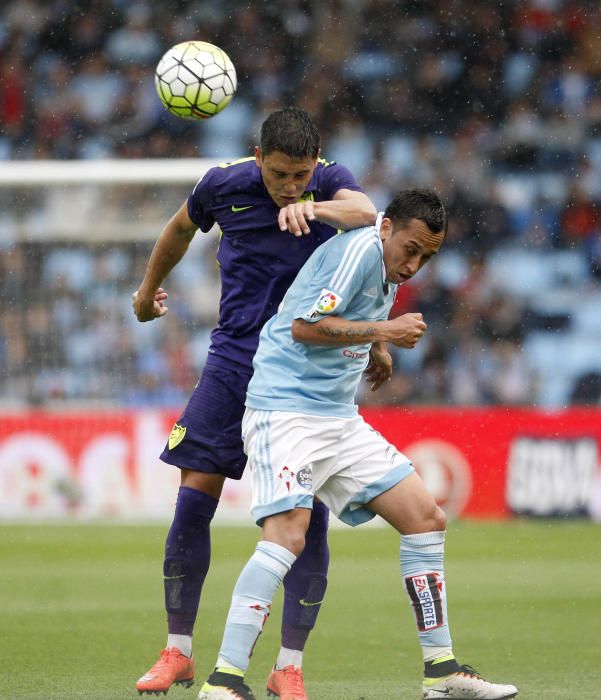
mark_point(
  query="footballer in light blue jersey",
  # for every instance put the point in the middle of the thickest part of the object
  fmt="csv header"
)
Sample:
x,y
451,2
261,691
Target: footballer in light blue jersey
x,y
345,277
303,440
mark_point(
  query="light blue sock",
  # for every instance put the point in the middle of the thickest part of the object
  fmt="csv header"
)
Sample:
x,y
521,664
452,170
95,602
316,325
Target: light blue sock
x,y
251,602
422,570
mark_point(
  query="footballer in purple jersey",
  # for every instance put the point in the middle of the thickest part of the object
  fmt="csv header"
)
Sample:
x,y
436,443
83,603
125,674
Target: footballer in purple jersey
x,y
258,203
257,261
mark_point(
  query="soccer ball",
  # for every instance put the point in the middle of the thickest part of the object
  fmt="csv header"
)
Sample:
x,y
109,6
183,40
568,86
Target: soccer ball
x,y
195,80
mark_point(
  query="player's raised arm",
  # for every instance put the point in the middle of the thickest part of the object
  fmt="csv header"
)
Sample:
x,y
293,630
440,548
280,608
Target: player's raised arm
x,y
403,331
348,209
148,300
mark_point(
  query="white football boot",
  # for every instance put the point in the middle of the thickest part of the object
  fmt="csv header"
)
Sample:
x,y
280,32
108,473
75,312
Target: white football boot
x,y
465,684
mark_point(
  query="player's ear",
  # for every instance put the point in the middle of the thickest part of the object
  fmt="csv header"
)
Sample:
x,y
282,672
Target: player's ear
x,y
258,156
385,228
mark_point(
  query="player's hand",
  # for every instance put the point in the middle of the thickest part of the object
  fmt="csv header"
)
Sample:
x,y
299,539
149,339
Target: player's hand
x,y
379,368
407,330
296,217
149,309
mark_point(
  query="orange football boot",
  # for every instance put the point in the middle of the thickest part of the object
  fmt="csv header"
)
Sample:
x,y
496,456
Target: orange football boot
x,y
287,684
172,668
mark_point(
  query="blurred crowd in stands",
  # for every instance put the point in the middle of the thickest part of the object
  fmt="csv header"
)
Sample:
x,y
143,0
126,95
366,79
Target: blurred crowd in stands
x,y
496,105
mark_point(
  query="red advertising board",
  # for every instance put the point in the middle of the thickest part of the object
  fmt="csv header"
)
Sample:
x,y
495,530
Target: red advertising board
x,y
490,462
480,462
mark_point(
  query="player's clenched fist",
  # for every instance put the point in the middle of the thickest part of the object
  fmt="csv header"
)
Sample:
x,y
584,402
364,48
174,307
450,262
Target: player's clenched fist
x,y
148,308
406,330
295,218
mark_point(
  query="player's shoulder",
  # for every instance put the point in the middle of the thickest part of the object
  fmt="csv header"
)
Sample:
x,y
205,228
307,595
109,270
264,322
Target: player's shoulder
x,y
365,235
233,173
323,163
361,242
348,256
329,167
330,176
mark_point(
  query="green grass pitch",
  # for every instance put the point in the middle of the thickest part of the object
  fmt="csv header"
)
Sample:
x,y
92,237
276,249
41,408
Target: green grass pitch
x,y
82,612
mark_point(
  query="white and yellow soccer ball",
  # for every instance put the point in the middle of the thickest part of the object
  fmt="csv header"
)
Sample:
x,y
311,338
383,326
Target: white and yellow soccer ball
x,y
195,80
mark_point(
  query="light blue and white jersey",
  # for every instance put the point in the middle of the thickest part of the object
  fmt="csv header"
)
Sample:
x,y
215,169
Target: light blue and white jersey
x,y
344,277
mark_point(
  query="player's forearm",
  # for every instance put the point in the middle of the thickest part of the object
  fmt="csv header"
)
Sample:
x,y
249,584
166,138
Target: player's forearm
x,y
346,214
167,252
336,331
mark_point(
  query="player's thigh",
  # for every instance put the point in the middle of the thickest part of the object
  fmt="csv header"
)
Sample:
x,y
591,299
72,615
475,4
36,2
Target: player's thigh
x,y
285,452
366,466
409,507
207,436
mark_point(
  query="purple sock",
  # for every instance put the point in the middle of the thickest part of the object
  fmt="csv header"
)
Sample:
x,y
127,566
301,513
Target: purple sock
x,y
305,584
187,558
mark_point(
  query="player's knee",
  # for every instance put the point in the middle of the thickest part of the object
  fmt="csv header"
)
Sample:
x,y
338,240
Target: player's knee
x,y
288,529
430,519
211,484
320,518
291,538
295,542
437,520
317,534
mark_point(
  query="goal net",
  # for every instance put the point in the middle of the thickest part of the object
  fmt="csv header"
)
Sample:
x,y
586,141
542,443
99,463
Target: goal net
x,y
74,240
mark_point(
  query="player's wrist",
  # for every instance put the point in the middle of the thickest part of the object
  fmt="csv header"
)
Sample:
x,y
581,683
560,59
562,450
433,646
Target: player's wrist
x,y
319,209
146,292
384,332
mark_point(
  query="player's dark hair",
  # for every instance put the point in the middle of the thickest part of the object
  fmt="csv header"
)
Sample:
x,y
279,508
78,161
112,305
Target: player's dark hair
x,y
292,132
419,203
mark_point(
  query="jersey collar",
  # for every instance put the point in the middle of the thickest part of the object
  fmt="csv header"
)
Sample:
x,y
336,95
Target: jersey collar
x,y
378,224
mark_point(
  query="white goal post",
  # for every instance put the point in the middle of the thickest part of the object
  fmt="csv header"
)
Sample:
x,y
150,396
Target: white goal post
x,y
104,172
102,200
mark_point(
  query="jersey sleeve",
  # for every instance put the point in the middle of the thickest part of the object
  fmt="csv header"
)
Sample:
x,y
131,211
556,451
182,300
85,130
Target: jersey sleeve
x,y
200,202
337,279
336,177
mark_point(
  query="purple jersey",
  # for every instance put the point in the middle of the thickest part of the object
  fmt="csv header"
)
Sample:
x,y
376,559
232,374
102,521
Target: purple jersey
x,y
258,261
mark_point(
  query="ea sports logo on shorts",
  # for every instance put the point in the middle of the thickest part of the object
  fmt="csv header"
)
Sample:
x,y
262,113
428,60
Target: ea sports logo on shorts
x,y
445,471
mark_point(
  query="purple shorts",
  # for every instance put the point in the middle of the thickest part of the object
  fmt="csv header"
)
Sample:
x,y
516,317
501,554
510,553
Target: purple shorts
x,y
212,425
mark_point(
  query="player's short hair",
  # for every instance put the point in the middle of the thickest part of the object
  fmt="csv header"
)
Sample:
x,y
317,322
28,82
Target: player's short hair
x,y
292,132
419,203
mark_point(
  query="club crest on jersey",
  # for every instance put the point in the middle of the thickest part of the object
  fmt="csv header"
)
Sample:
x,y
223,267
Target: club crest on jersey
x,y
327,302
304,477
178,433
425,591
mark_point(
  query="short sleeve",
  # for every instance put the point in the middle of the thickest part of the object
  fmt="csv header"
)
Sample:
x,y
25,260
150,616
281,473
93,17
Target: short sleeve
x,y
338,278
200,202
336,177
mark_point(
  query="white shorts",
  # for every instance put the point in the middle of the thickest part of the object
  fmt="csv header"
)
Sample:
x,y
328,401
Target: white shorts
x,y
294,457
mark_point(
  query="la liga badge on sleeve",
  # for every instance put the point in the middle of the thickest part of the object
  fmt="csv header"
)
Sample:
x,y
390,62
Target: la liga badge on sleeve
x,y
327,302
